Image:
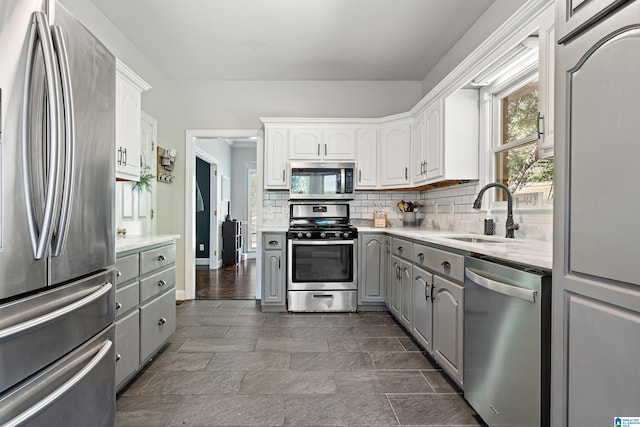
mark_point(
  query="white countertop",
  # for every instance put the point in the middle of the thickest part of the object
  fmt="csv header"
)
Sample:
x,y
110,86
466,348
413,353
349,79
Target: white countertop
x,y
128,243
535,253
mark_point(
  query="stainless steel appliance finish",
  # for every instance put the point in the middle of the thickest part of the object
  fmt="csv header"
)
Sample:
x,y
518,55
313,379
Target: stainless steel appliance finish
x,y
57,245
321,258
507,343
321,180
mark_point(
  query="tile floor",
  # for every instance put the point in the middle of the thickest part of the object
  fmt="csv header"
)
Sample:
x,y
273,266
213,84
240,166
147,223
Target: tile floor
x,y
228,364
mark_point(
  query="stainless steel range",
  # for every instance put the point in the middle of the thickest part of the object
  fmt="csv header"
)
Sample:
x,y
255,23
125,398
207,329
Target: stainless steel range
x,y
322,258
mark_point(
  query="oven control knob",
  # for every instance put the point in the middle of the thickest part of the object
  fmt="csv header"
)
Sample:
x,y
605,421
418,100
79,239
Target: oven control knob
x,y
308,235
323,235
299,235
346,234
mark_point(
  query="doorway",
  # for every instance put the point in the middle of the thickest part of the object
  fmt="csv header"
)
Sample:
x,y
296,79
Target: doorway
x,y
217,281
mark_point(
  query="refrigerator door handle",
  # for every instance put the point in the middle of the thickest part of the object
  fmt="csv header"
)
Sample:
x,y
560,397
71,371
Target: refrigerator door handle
x,y
49,317
41,236
62,230
34,410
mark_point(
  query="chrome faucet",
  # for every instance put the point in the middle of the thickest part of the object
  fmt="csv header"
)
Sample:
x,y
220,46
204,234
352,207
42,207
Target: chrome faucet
x,y
510,225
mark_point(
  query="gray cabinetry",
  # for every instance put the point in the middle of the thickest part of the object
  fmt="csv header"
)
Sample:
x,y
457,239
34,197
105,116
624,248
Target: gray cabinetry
x,y
373,268
422,322
387,272
448,319
145,306
273,276
596,292
396,285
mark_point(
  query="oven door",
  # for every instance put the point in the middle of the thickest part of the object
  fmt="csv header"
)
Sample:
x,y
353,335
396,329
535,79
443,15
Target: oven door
x,y
321,265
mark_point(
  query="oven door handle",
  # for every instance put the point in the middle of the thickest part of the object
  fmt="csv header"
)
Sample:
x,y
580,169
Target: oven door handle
x,y
323,242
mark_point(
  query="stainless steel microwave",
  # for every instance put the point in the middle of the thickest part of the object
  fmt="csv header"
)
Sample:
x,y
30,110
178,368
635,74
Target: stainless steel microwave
x,y
321,180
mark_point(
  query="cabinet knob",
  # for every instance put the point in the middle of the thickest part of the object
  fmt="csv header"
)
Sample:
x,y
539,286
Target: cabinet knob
x,y
400,248
421,257
118,305
161,283
118,273
162,321
161,258
273,242
446,265
118,357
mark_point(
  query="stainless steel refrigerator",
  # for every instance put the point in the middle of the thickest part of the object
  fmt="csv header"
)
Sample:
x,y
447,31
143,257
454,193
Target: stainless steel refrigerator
x,y
57,246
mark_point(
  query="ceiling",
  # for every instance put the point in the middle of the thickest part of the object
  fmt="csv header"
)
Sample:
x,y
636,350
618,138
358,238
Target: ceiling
x,y
294,39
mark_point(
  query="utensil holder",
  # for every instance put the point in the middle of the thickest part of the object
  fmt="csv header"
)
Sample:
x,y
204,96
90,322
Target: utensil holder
x,y
409,219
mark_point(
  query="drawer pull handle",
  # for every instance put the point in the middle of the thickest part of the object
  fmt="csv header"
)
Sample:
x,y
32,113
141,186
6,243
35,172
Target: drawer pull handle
x,y
161,283
273,242
161,258
118,357
162,321
118,305
323,296
421,257
446,265
118,273
400,248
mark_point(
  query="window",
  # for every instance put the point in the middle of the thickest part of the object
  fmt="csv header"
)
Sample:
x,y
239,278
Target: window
x,y
514,145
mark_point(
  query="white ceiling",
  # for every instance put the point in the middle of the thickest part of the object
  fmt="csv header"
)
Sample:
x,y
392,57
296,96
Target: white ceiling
x,y
294,39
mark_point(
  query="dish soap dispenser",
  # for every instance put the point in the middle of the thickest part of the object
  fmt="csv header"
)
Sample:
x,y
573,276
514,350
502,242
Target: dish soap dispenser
x,y
489,226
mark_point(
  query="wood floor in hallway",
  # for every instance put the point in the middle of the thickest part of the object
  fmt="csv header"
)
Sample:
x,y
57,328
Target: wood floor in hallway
x,y
229,282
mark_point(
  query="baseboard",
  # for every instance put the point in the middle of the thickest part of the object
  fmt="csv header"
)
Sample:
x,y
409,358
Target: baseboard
x,y
202,261
249,255
180,295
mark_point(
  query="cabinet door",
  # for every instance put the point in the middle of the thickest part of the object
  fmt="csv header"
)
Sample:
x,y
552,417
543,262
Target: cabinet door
x,y
274,285
434,140
305,144
546,96
421,324
128,113
395,154
396,286
339,144
406,294
371,279
419,148
575,16
595,291
157,323
127,346
448,318
276,155
367,158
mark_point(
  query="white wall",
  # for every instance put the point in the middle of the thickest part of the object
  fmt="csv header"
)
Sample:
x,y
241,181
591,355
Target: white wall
x,y
240,157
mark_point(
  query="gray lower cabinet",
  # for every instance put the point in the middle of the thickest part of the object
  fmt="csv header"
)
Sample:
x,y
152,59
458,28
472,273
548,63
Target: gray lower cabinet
x,y
401,293
596,291
373,264
395,286
273,272
145,306
448,321
387,271
422,322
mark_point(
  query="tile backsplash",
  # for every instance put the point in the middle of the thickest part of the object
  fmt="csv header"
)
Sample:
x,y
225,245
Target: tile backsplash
x,y
446,209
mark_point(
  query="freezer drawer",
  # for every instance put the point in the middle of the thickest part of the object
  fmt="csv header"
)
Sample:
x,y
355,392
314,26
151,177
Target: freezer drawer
x,y
48,325
127,346
323,300
157,323
157,258
78,390
157,284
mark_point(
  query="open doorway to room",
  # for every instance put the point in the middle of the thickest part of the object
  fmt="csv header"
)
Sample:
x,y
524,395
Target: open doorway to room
x,y
224,257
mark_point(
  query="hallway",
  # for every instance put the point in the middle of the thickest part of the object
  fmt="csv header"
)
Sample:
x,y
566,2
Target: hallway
x,y
228,364
229,282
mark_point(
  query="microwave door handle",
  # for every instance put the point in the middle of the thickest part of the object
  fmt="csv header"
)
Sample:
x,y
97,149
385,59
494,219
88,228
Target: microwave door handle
x,y
343,182
39,30
69,132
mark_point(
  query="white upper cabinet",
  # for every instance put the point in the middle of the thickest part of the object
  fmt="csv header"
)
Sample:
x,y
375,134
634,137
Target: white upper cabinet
x,y
576,16
322,144
276,156
395,154
419,148
129,87
547,40
427,144
367,158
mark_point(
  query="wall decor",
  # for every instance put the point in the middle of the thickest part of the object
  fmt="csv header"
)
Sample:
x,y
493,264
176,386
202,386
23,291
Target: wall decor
x,y
166,161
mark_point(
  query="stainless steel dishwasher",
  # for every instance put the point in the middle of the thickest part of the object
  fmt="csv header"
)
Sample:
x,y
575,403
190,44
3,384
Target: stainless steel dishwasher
x,y
507,327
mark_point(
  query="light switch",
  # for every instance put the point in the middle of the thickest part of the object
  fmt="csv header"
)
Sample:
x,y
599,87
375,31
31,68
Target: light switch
x,y
202,246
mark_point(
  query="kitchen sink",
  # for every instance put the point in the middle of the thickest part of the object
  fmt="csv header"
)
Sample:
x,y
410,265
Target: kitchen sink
x,y
480,239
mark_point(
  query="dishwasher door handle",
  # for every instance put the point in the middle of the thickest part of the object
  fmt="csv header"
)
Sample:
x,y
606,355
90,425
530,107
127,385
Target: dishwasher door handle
x,y
503,288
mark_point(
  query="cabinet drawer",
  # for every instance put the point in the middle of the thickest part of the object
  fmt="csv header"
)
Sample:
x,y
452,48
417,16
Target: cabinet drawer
x,y
402,248
157,323
127,346
157,258
127,297
127,268
444,263
157,283
272,241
